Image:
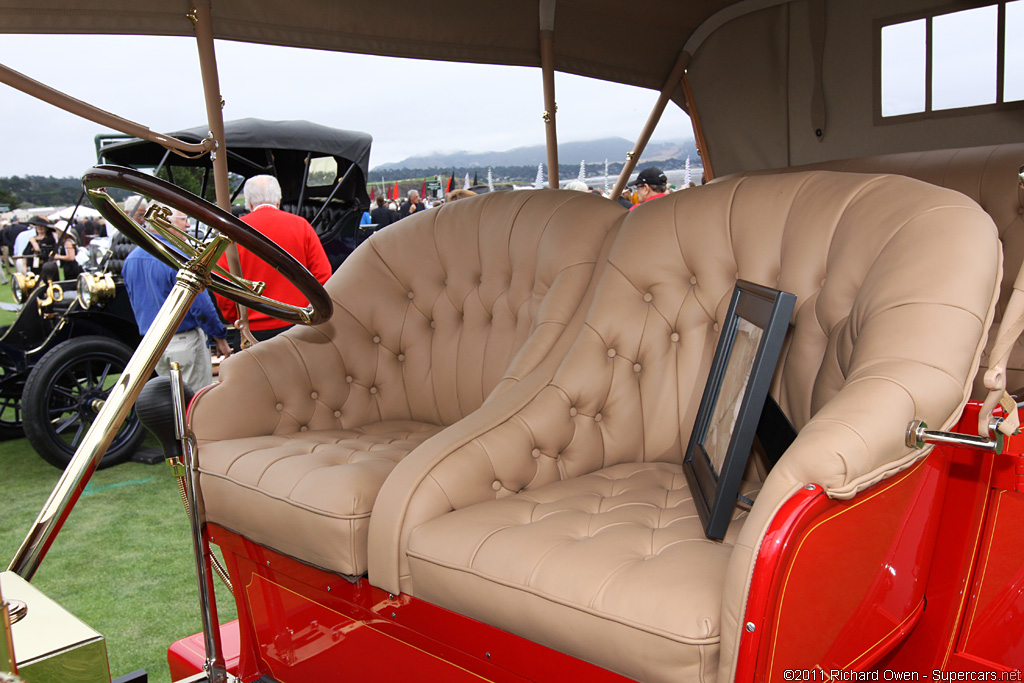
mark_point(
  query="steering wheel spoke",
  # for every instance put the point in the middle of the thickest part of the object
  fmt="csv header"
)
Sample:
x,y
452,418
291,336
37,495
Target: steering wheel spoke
x,y
185,252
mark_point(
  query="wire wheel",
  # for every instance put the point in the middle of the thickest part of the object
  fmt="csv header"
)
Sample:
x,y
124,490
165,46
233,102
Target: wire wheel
x,y
65,391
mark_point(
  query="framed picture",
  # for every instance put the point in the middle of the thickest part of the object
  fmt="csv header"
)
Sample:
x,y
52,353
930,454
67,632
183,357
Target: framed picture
x,y
730,409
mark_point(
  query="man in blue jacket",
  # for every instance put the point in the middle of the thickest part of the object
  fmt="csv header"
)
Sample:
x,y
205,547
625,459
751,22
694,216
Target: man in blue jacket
x,y
149,282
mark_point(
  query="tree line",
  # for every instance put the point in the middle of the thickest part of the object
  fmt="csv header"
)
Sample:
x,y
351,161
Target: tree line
x,y
37,190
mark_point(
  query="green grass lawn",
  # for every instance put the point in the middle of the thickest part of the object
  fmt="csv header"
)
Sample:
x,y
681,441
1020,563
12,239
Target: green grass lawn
x,y
123,561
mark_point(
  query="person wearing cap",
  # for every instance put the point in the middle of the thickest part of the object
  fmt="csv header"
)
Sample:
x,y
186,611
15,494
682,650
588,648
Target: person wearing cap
x,y
650,184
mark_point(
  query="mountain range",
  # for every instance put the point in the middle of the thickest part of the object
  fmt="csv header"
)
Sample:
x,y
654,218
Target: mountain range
x,y
591,151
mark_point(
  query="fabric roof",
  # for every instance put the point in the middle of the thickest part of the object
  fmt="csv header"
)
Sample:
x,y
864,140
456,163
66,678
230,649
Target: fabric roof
x,y
606,39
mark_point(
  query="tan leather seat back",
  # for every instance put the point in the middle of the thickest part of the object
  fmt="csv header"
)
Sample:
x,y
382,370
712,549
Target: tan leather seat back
x,y
430,314
989,176
863,254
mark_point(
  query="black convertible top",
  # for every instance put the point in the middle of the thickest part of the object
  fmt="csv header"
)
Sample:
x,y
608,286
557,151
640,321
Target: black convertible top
x,y
257,146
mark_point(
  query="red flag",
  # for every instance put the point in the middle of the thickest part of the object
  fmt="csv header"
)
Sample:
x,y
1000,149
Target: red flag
x,y
373,193
423,190
451,182
395,192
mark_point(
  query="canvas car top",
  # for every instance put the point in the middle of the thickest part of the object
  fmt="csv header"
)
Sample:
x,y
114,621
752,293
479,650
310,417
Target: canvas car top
x,y
775,82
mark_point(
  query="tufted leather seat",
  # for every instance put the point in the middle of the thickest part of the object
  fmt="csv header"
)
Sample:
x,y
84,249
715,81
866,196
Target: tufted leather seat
x,y
565,518
989,176
431,316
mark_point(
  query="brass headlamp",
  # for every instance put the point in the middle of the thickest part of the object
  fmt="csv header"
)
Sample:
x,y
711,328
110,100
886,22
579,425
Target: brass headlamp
x,y
22,285
94,288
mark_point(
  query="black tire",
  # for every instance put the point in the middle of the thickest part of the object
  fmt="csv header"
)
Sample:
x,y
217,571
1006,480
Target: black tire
x,y
60,399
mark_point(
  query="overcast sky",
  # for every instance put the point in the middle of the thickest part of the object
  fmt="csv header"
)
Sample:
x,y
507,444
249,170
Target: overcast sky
x,y
408,106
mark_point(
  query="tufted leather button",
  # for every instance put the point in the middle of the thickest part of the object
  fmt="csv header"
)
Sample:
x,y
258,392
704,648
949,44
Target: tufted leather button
x,y
496,486
409,295
598,417
401,357
303,428
693,280
715,327
611,353
573,412
648,296
348,378
314,395
636,367
674,337
373,390
279,406
432,324
376,340
822,282
535,452
337,413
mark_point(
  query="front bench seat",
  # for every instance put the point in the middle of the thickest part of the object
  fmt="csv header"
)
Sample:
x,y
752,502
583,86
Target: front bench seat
x,y
431,316
570,521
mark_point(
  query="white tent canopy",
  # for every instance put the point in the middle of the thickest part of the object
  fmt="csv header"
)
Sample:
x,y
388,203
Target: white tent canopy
x,y
83,213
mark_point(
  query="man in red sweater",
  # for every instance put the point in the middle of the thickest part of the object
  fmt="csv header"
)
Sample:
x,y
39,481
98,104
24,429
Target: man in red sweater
x,y
290,232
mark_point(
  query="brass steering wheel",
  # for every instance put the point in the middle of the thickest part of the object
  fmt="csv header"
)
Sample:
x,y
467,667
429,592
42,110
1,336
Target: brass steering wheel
x,y
180,250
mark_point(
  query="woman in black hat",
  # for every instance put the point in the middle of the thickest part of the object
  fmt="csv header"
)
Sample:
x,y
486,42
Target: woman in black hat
x,y
43,246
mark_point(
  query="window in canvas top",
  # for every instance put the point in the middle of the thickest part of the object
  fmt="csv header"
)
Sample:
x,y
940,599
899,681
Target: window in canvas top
x,y
964,58
322,171
954,60
1013,39
904,52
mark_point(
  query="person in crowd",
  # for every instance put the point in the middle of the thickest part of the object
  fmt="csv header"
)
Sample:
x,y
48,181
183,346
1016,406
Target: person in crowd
x,y
292,233
577,185
411,205
626,199
651,183
42,245
458,194
7,238
136,207
383,215
21,262
149,282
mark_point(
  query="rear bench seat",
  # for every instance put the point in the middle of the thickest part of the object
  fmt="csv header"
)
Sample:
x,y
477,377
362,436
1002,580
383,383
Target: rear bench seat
x,y
431,316
566,517
988,175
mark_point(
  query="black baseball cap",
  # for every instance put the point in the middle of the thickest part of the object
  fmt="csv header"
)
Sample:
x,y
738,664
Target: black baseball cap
x,y
652,175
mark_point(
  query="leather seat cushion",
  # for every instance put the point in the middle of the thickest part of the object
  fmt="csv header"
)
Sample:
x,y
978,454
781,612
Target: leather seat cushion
x,y
307,494
612,567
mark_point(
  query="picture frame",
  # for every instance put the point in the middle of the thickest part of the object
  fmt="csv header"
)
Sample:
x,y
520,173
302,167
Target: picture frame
x,y
730,409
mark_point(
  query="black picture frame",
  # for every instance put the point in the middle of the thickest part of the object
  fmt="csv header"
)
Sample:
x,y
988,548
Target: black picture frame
x,y
741,373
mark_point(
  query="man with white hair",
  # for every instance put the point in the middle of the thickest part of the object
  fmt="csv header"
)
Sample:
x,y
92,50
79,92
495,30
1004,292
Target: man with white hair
x,y
292,233
149,282
412,205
